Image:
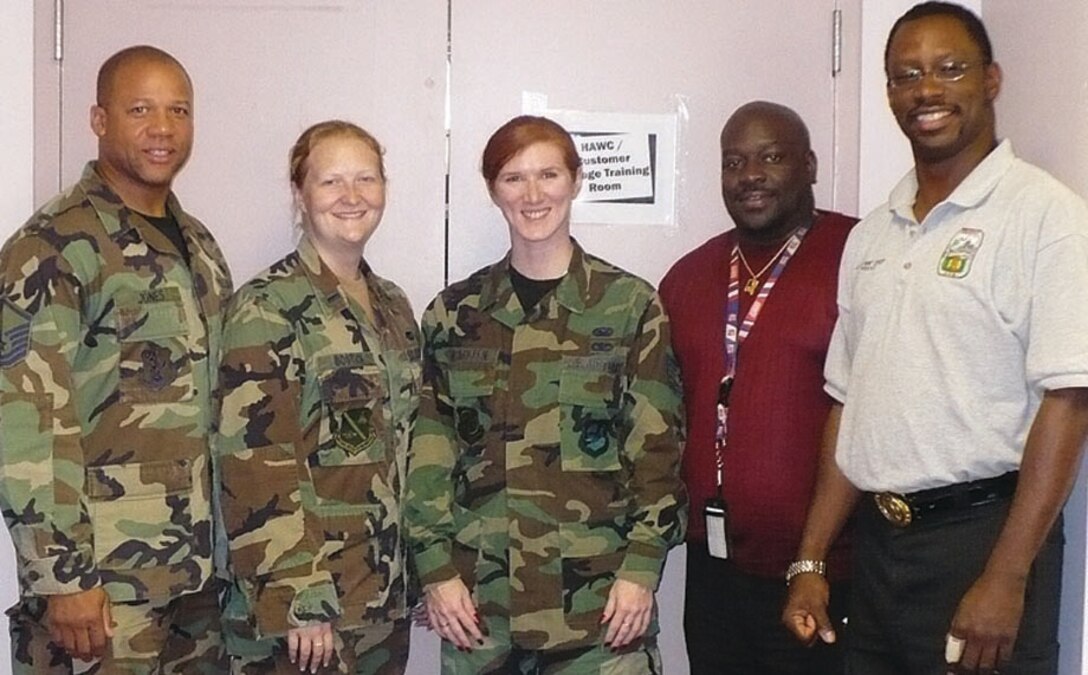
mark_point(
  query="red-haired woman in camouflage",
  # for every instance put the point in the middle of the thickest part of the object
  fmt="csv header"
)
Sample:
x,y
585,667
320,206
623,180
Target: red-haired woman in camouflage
x,y
544,492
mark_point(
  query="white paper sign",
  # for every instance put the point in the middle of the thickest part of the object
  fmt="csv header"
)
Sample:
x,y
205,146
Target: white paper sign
x,y
615,167
628,166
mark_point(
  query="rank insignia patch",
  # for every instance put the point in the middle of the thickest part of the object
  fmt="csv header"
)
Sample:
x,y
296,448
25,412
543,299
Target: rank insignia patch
x,y
595,436
960,253
157,370
468,425
356,432
14,335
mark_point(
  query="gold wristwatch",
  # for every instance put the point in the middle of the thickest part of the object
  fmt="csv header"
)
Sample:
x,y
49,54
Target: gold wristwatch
x,y
805,566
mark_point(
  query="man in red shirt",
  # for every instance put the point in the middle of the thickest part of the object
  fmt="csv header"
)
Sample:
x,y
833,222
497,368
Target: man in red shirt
x,y
752,312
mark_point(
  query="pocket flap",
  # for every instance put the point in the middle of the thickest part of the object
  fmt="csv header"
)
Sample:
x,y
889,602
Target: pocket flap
x,y
143,479
349,388
151,314
591,382
471,383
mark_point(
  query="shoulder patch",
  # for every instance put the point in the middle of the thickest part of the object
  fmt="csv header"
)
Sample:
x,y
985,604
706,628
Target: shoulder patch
x,y
14,334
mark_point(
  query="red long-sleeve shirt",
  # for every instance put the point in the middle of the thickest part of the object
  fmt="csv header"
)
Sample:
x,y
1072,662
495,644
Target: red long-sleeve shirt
x,y
777,406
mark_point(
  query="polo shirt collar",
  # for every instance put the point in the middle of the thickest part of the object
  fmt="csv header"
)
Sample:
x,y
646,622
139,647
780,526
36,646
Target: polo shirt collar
x,y
975,188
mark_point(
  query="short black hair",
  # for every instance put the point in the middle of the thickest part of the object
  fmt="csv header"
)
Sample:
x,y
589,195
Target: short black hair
x,y
108,71
971,23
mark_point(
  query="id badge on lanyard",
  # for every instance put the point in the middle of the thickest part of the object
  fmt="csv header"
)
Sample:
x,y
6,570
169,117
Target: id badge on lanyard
x,y
718,542
715,510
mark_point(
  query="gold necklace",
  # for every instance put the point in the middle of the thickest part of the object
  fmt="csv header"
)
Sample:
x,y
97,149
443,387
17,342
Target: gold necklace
x,y
752,285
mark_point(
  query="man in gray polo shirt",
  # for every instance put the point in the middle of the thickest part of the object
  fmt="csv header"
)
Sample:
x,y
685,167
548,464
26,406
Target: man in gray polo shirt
x,y
960,361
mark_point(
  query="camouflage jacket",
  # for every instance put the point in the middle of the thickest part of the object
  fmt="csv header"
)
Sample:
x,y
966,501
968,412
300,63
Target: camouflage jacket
x,y
107,373
318,405
550,441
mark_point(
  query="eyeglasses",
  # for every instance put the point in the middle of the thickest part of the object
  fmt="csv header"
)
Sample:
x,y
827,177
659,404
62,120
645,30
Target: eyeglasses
x,y
948,71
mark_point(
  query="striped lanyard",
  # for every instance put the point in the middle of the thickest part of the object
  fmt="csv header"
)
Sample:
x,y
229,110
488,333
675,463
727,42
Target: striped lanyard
x,y
736,334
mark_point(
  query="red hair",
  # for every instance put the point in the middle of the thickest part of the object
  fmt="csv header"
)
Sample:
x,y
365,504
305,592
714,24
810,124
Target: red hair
x,y
518,134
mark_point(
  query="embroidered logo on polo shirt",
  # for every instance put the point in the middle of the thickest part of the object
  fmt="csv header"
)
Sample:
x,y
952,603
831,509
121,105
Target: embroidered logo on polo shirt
x,y
960,253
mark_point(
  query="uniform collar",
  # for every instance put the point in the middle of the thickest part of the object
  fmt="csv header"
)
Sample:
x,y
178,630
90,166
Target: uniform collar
x,y
122,223
497,295
326,283
971,192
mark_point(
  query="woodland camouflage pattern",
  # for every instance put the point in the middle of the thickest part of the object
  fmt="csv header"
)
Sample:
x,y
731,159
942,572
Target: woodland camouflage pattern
x,y
179,636
107,372
546,456
317,410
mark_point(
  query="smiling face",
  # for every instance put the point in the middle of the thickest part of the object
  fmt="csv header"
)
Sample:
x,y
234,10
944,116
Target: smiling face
x,y
534,191
767,172
145,132
342,196
942,120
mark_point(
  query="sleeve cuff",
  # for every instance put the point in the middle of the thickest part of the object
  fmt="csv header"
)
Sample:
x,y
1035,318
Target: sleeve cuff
x,y
837,393
434,564
279,608
643,564
60,574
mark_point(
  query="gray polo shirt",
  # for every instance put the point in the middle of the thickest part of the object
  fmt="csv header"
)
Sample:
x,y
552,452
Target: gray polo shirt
x,y
950,330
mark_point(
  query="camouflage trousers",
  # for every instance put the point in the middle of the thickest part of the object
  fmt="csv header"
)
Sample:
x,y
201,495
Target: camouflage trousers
x,y
380,649
497,656
180,635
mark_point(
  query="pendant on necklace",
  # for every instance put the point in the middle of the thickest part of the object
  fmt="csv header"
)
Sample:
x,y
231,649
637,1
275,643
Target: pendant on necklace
x,y
751,286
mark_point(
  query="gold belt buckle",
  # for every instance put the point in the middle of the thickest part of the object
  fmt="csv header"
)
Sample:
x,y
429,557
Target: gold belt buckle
x,y
894,508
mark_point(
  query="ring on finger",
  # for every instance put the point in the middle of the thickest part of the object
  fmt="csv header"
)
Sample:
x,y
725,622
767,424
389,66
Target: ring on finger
x,y
953,649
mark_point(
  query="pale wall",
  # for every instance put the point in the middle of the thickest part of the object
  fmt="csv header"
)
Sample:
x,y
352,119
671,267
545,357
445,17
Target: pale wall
x,y
16,197
1043,108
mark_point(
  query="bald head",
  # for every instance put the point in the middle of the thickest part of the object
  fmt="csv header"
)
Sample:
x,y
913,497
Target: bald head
x,y
784,118
768,169
139,54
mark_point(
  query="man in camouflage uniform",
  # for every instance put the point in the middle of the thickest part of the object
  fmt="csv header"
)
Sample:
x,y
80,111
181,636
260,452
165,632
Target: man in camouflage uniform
x,y
110,312
318,406
545,463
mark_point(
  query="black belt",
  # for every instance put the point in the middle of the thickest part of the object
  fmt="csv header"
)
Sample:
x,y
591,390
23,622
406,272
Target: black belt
x,y
902,510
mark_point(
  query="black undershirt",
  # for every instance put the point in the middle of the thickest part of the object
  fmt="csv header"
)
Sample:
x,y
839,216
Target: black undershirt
x,y
170,229
530,291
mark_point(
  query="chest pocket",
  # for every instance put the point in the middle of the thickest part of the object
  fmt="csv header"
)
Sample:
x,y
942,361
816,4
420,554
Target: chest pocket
x,y
155,363
353,425
470,390
590,395
471,384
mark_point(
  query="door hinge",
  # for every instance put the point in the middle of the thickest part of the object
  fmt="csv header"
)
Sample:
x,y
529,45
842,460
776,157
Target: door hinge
x,y
836,42
58,30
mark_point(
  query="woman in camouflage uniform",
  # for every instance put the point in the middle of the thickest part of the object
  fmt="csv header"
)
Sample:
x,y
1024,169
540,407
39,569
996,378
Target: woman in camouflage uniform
x,y
320,384
544,490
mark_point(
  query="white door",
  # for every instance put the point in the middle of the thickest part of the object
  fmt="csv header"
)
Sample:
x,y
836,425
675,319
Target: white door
x,y
263,70
699,59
